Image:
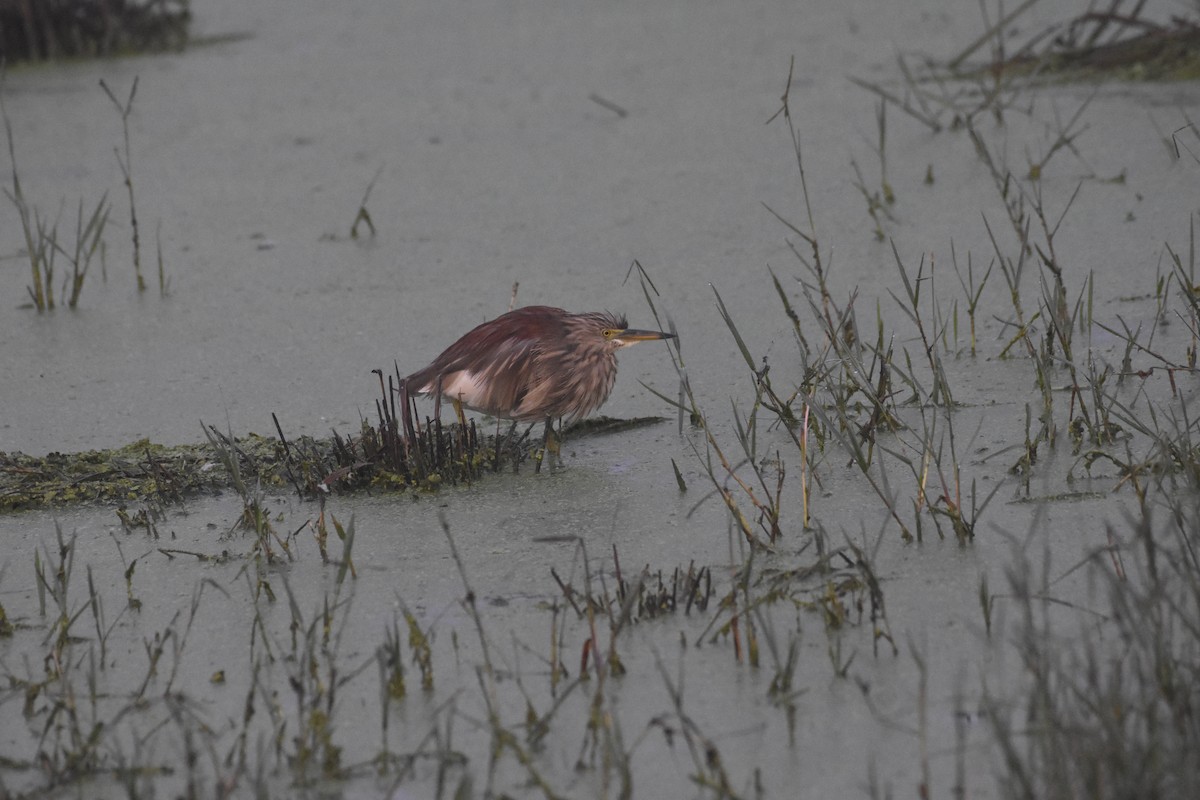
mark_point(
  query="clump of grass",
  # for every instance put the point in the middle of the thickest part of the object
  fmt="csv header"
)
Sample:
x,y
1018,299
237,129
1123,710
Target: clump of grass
x,y
766,513
649,596
255,517
437,746
315,679
972,291
504,739
42,243
57,583
1110,706
81,730
709,771
849,396
1104,719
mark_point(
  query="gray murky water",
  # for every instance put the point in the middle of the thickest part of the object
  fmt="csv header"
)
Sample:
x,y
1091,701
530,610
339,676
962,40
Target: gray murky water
x,y
496,167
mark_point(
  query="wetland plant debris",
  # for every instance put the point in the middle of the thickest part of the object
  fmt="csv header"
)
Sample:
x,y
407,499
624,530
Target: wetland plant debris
x,y
1092,47
399,452
51,29
146,472
135,473
1116,43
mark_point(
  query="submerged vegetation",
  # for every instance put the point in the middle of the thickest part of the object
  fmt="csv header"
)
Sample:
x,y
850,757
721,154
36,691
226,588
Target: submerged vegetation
x,y
870,403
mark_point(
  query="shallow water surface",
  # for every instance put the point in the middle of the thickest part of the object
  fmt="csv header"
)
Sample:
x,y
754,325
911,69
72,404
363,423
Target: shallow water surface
x,y
866,651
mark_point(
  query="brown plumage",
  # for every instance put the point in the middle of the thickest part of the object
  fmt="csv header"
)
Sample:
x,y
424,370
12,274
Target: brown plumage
x,y
534,363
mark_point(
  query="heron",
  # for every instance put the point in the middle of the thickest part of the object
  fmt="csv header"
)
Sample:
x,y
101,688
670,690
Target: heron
x,y
532,364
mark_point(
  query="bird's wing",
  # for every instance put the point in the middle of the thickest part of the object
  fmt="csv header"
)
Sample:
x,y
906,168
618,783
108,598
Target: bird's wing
x,y
494,367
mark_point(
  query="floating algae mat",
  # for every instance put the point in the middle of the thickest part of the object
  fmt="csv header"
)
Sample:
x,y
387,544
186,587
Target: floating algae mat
x,y
145,471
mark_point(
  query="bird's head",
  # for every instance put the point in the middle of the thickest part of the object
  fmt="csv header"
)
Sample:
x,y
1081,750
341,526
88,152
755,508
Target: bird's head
x,y
615,333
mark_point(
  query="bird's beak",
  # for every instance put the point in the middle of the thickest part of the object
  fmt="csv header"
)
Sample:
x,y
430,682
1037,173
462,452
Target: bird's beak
x,y
632,335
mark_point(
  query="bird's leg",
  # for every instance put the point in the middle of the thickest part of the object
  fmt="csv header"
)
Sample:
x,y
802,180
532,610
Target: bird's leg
x,y
462,424
541,453
551,446
462,420
514,446
518,444
499,445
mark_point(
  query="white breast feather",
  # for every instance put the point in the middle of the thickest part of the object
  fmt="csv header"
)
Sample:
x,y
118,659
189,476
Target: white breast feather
x,y
462,386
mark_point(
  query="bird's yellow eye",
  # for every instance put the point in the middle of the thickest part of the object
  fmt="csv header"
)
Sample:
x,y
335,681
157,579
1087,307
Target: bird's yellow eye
x,y
609,333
